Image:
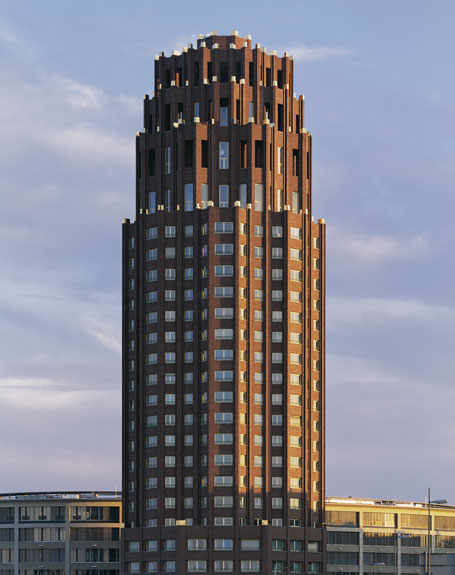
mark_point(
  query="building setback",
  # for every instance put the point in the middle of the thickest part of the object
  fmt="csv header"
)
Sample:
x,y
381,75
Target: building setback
x,y
223,322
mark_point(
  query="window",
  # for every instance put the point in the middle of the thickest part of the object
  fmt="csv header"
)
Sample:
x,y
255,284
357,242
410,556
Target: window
x,y
277,274
224,249
224,155
280,157
250,545
277,231
197,544
258,197
224,108
167,160
188,197
223,191
277,253
224,354
224,227
243,195
223,334
224,397
226,501
169,253
223,459
188,252
224,312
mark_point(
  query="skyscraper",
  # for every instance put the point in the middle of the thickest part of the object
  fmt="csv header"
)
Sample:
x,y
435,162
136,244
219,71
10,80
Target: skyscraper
x,y
223,329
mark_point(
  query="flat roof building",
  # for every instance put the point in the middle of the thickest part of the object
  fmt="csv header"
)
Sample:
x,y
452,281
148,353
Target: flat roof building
x,y
60,533
372,536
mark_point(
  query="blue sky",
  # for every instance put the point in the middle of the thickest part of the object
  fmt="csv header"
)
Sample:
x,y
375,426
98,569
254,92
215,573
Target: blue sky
x,y
380,102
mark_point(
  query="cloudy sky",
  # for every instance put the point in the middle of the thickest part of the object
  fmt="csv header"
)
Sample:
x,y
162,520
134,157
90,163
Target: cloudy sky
x,y
380,101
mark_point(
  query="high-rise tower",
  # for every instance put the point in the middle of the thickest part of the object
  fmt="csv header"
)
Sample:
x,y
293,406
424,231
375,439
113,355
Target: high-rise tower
x,y
223,329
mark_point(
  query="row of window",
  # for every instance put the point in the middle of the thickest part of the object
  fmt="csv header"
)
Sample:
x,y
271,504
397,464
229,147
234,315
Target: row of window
x,y
246,566
223,228
294,545
223,156
226,459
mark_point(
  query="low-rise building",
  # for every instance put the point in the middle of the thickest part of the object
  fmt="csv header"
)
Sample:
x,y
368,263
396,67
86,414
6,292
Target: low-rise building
x,y
71,533
372,536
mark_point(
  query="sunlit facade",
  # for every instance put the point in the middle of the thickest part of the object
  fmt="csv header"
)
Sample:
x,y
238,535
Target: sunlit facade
x,y
223,322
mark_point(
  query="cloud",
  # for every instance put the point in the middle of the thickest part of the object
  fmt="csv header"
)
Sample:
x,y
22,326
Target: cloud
x,y
374,249
108,335
304,53
15,44
344,311
80,95
30,393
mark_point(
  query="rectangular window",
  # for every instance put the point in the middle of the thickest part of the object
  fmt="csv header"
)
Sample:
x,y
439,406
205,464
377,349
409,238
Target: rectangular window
x,y
188,197
224,155
223,196
204,195
224,111
167,160
258,197
224,227
280,159
168,200
258,154
152,202
243,197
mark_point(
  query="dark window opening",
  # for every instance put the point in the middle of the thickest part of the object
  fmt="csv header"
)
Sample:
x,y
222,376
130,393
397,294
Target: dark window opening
x,y
188,160
297,123
179,77
268,77
295,163
209,71
167,117
210,114
251,74
224,112
167,78
138,166
237,110
267,114
280,117
238,71
258,154
243,152
152,162
204,154
224,72
196,73
179,111
280,79
150,123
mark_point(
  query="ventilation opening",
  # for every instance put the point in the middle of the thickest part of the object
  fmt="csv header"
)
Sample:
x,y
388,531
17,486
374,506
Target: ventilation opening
x,y
224,72
280,79
196,73
258,154
151,162
238,71
295,163
280,117
204,153
167,117
167,78
188,160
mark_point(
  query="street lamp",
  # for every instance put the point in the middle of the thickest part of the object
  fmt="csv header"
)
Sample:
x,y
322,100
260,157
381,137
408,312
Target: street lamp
x,y
437,502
